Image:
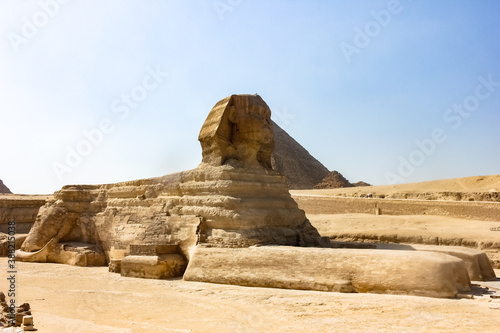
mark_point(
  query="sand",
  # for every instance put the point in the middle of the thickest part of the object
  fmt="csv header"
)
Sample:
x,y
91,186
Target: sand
x,y
90,299
466,184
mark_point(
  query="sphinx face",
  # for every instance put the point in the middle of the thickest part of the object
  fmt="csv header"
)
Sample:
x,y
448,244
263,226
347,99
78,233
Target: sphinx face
x,y
252,126
238,131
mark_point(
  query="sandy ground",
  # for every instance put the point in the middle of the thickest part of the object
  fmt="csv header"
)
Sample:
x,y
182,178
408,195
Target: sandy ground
x,y
90,299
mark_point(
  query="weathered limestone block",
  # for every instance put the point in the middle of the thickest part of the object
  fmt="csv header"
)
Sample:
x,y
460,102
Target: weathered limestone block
x,y
115,265
27,324
346,270
153,249
78,254
154,261
477,262
145,226
22,314
162,266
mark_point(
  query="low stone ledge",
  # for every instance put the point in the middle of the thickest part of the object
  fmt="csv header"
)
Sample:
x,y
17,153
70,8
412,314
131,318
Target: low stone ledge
x,y
345,270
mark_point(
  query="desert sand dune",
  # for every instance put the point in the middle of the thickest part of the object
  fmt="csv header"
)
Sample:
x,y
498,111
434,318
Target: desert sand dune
x,y
488,184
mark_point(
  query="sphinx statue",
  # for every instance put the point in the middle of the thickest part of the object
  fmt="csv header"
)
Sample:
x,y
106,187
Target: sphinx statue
x,y
230,220
232,199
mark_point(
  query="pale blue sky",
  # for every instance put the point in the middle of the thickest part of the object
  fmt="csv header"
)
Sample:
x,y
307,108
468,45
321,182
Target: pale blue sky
x,y
357,101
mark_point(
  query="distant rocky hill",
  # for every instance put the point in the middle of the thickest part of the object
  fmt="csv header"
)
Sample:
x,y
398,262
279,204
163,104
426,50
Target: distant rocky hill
x,y
301,169
335,180
361,183
3,188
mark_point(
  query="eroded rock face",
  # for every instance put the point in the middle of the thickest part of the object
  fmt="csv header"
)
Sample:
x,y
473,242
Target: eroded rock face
x,y
232,199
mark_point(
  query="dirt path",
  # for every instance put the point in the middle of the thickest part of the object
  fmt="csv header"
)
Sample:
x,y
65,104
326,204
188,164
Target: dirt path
x,y
90,299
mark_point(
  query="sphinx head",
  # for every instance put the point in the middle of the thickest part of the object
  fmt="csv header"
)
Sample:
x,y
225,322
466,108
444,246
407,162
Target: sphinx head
x,y
238,131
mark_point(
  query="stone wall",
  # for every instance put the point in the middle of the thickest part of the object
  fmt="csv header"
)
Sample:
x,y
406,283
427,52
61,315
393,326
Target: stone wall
x,y
22,209
462,209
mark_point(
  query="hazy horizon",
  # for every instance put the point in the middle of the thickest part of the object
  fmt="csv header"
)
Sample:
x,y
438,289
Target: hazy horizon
x,y
381,91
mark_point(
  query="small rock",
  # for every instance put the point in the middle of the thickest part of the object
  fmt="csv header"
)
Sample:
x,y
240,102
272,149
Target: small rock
x,y
25,306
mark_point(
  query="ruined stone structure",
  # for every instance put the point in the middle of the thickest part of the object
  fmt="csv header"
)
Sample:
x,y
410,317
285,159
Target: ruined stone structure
x,y
217,220
19,316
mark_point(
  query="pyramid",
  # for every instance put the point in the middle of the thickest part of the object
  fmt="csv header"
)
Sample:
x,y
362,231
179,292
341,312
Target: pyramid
x,y
301,169
334,180
3,188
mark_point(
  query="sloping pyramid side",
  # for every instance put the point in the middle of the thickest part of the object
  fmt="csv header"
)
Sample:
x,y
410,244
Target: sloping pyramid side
x,y
301,169
3,188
